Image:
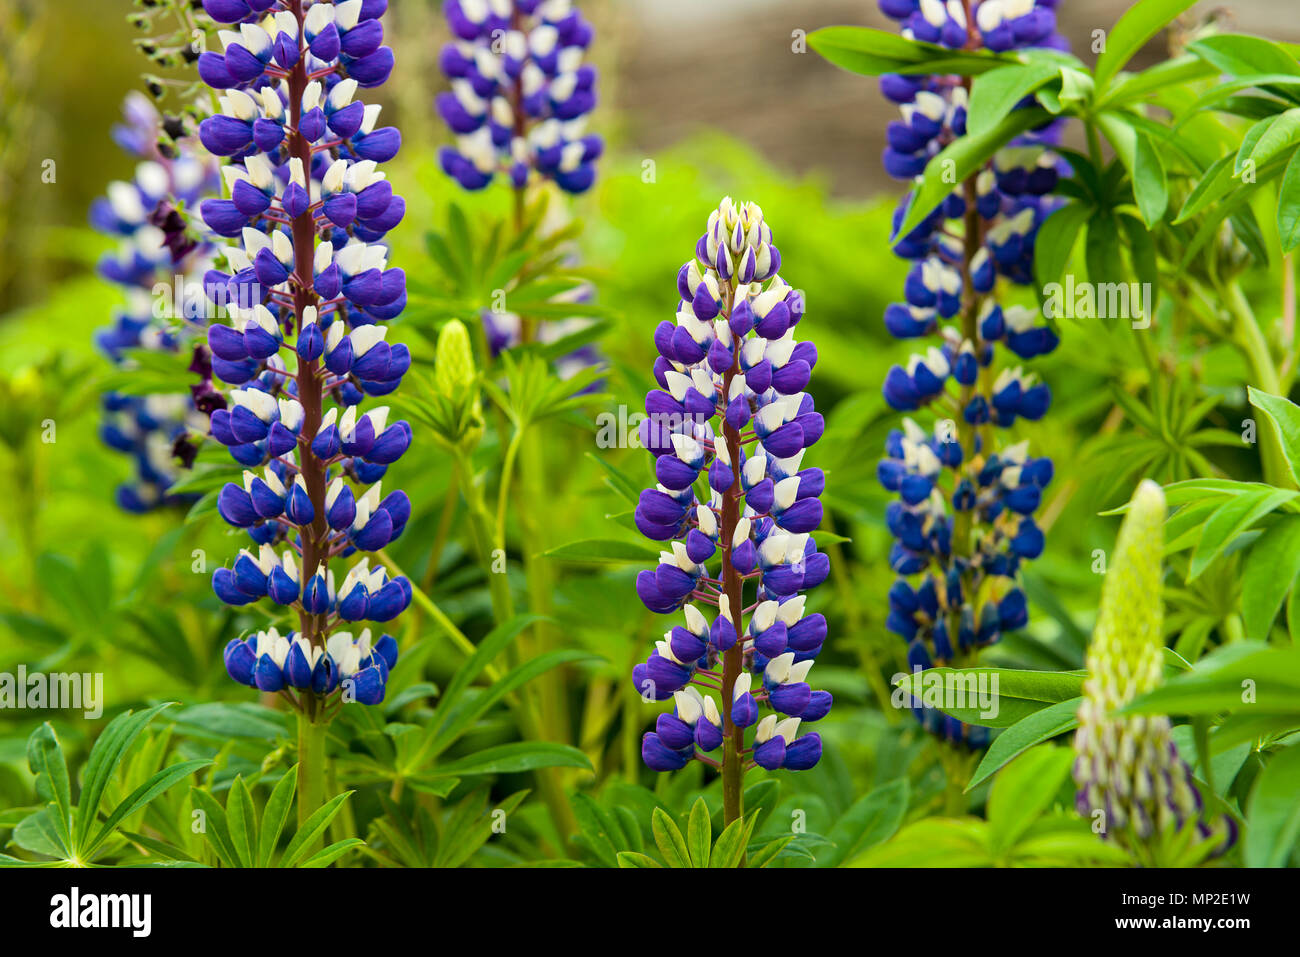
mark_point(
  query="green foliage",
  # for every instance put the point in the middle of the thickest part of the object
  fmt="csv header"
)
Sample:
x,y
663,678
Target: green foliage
x,y
73,834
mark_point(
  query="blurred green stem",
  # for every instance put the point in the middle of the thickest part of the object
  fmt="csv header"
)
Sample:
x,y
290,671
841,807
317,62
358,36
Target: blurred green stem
x,y
1250,340
311,766
481,526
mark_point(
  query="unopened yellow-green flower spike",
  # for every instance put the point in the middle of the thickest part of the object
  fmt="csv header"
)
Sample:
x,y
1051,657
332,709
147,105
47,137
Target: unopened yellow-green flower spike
x,y
1133,785
454,360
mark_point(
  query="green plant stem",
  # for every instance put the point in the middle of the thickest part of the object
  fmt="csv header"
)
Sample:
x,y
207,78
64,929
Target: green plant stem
x,y
1250,340
503,608
311,766
503,492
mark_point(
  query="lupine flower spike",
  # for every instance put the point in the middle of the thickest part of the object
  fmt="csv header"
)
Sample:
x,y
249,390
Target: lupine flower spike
x,y
520,94
1131,778
157,248
307,342
731,413
964,516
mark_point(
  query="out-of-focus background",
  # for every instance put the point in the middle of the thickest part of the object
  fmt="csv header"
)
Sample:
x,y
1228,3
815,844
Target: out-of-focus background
x,y
671,69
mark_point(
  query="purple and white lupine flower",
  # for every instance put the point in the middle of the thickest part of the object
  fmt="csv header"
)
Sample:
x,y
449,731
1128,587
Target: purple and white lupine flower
x,y
964,519
520,94
157,249
306,343
731,412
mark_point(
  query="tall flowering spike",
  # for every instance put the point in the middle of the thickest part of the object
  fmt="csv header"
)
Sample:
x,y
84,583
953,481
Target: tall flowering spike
x,y
520,93
966,499
309,293
157,250
731,417
1128,768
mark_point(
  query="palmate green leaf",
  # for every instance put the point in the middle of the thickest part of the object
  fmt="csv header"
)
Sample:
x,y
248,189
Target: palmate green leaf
x,y
1024,734
1140,23
961,159
603,551
668,838
763,854
1285,417
1019,693
996,93
872,52
1273,813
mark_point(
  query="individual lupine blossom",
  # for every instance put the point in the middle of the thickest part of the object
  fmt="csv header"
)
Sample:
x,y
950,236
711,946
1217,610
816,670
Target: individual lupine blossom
x,y
964,517
155,247
520,94
731,407
309,293
1128,767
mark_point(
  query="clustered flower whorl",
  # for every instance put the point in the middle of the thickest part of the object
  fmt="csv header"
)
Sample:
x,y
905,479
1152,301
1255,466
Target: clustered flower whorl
x,y
156,247
1128,768
520,93
732,414
964,533
308,292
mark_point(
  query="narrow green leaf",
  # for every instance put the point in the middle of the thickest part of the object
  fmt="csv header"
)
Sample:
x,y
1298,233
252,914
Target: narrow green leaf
x,y
104,758
1139,24
46,761
668,837
1285,417
328,855
1024,734
603,551
1055,242
961,159
1235,516
996,93
158,783
274,816
992,697
699,834
1288,205
519,756
241,817
311,829
1149,186
1273,813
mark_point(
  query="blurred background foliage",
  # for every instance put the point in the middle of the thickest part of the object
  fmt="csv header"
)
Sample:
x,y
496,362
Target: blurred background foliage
x,y
86,587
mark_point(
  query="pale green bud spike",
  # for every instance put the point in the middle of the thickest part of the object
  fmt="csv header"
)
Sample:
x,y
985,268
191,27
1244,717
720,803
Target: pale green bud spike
x,y
1133,785
1125,650
454,359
